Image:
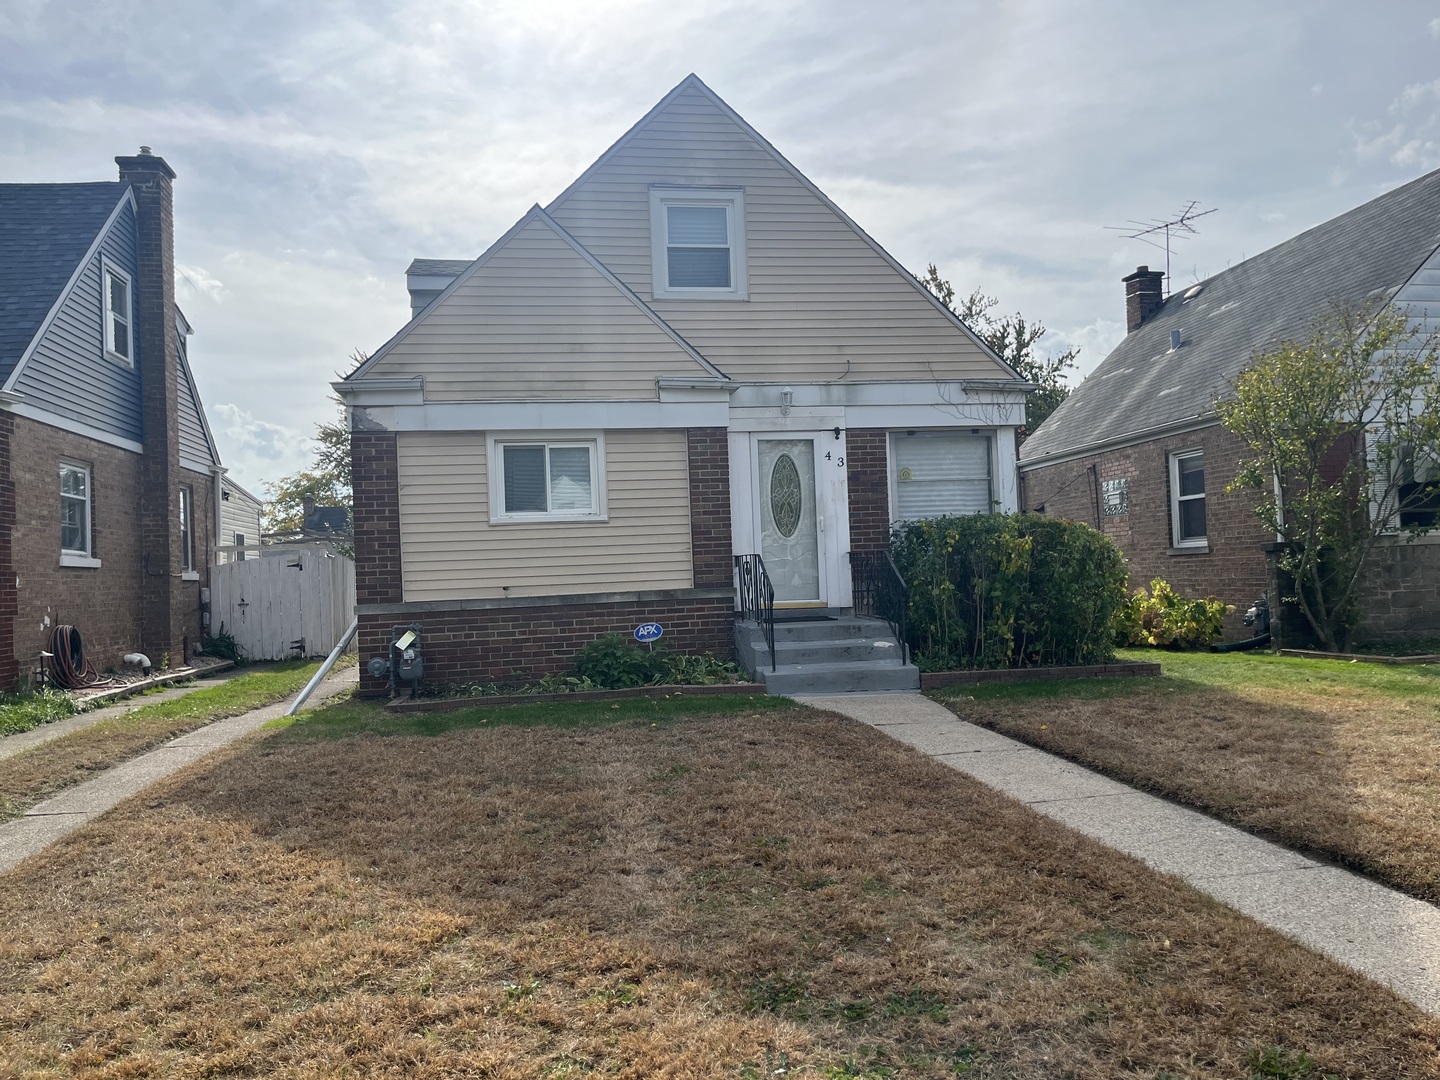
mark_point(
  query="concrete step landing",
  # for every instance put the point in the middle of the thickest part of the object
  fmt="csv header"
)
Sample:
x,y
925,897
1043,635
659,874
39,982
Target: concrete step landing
x,y
839,654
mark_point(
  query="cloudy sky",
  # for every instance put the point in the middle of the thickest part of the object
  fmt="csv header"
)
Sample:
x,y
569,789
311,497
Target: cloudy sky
x,y
322,145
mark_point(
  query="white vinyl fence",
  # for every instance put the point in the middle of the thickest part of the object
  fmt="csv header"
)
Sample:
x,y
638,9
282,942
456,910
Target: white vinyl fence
x,y
298,603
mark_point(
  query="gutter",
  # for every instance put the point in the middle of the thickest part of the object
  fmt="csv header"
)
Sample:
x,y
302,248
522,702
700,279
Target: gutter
x,y
1131,438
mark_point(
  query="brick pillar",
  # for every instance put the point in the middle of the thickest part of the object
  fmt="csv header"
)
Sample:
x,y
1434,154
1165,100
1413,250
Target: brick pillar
x,y
866,476
9,593
375,476
157,354
710,546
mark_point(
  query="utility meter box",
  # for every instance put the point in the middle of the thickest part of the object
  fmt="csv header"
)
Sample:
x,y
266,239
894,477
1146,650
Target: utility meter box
x,y
409,665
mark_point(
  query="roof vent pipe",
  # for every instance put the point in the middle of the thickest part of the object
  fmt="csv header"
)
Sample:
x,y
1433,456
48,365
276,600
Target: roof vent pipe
x,y
1174,340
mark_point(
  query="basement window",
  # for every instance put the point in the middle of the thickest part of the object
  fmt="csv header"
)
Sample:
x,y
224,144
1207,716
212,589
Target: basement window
x,y
551,480
119,338
698,243
1187,499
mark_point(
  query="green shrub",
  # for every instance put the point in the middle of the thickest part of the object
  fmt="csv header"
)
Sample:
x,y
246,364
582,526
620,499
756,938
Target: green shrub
x,y
1164,617
702,669
1008,590
614,662
24,712
222,643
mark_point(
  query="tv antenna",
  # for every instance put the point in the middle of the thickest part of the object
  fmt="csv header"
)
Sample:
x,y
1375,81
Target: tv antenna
x,y
1177,228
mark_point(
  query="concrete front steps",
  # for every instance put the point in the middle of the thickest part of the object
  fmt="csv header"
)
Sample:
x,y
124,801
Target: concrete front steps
x,y
836,654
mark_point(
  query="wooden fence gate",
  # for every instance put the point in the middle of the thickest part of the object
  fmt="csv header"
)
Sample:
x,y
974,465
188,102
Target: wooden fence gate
x,y
296,602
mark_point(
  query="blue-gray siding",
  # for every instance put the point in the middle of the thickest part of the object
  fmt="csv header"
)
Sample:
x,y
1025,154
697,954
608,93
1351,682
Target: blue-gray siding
x,y
68,373
194,446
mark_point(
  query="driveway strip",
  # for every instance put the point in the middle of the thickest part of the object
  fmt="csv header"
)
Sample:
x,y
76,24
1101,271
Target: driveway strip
x,y
60,815
1383,934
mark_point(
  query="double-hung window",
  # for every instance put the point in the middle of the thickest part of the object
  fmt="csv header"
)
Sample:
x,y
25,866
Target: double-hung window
x,y
119,339
535,480
1187,499
698,243
76,548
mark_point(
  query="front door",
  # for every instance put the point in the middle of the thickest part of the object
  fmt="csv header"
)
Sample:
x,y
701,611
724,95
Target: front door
x,y
789,526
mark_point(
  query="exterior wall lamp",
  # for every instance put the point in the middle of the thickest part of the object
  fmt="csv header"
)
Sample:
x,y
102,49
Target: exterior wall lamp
x,y
787,398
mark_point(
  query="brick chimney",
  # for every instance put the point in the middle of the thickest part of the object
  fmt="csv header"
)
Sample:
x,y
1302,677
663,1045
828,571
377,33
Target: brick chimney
x,y
1143,296
157,356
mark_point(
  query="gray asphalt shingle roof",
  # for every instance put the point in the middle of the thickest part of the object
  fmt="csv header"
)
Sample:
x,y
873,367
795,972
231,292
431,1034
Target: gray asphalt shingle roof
x,y
1364,254
45,229
452,267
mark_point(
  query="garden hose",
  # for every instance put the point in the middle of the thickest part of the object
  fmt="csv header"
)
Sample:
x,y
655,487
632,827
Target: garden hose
x,y
68,666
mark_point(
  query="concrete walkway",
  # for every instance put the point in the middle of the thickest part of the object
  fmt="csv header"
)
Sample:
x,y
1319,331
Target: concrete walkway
x,y
1386,935
57,817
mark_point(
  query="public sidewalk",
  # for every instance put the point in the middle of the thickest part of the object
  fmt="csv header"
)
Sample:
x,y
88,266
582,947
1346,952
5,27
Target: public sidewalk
x,y
1383,934
57,817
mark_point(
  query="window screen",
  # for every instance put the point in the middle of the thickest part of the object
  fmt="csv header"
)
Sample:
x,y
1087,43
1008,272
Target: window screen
x,y
941,474
545,479
697,249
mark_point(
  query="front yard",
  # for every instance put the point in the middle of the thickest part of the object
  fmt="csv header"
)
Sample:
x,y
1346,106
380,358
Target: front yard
x,y
657,888
1337,759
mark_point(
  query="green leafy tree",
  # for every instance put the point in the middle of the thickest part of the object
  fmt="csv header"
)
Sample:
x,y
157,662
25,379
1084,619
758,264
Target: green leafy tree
x,y
1344,429
1014,339
327,481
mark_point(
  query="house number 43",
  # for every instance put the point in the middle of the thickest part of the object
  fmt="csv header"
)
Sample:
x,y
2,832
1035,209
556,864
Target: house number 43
x,y
839,461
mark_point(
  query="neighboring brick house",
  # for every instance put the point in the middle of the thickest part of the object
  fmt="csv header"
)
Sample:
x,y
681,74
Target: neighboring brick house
x,y
691,354
1138,450
109,478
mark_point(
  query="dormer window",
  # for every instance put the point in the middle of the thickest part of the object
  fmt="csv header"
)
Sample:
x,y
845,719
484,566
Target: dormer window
x,y
119,341
698,243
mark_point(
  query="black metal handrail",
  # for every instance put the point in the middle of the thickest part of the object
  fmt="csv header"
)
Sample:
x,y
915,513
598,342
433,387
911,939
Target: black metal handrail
x,y
880,592
755,598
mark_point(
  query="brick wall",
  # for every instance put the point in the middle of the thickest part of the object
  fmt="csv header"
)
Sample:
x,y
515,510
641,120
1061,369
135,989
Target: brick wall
x,y
103,603
710,545
185,595
375,469
514,644
1233,569
9,663
867,477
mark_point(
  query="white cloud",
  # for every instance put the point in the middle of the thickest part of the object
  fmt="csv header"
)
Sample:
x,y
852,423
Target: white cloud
x,y
256,450
1434,28
196,281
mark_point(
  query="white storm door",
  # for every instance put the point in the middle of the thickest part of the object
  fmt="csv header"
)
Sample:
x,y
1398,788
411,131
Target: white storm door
x,y
786,518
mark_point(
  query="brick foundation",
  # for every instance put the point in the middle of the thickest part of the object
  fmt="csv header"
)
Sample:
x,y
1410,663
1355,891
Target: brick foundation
x,y
516,644
1234,567
867,477
710,547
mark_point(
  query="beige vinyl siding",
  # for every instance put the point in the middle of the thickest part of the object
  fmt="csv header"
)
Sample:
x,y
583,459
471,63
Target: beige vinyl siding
x,y
239,515
823,303
450,550
536,320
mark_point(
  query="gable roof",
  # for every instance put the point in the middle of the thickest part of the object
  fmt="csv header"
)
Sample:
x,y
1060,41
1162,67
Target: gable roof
x,y
536,216
693,83
447,267
46,230
1365,254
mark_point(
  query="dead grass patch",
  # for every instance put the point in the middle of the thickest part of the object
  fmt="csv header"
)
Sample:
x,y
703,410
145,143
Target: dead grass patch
x,y
1326,757
769,893
28,778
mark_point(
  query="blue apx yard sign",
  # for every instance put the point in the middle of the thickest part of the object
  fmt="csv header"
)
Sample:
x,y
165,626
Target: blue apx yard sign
x,y
649,631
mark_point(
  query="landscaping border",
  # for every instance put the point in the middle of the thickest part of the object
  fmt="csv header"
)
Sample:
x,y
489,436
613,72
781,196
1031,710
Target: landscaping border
x,y
446,704
119,693
1313,654
933,680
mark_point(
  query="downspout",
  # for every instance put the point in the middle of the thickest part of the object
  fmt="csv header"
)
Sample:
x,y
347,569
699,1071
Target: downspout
x,y
219,472
1095,494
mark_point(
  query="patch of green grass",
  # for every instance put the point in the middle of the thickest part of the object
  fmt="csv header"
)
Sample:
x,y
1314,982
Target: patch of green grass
x,y
1279,1063
917,1002
775,992
359,717
25,712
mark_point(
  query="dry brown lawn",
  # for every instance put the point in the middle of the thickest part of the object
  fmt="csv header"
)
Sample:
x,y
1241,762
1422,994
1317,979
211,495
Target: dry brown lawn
x,y
763,894
1342,761
28,778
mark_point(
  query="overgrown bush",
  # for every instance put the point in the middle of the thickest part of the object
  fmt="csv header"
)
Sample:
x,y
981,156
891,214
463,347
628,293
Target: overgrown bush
x,y
24,712
615,662
222,643
1164,617
1008,590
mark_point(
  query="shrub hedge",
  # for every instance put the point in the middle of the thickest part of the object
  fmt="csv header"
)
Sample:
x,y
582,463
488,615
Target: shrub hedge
x,y
1009,590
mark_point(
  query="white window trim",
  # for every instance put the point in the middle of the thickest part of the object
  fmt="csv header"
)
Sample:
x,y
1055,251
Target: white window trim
x,y
892,479
187,533
1175,499
733,199
108,269
595,440
81,556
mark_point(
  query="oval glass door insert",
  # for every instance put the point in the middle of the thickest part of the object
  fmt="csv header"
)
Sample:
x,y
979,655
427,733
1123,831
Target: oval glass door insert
x,y
785,495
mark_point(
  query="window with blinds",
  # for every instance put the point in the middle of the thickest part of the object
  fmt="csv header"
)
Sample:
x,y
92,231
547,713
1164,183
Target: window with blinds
x,y
698,243
934,474
541,480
